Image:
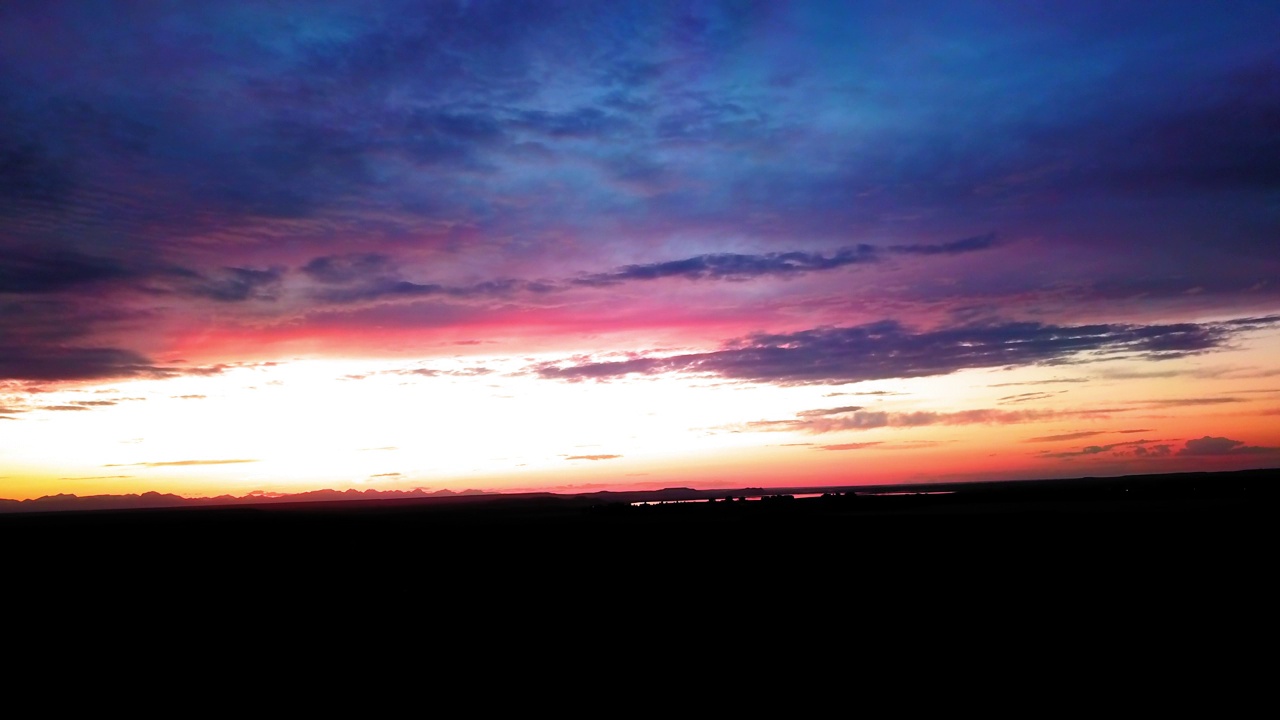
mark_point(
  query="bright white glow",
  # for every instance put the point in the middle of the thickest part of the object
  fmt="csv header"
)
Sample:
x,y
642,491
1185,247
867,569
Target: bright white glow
x,y
488,423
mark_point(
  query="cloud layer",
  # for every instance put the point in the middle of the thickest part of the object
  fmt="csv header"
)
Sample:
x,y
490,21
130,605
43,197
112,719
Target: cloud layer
x,y
888,349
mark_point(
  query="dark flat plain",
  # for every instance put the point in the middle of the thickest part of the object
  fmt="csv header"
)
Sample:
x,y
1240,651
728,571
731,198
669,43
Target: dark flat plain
x,y
1172,568
1158,515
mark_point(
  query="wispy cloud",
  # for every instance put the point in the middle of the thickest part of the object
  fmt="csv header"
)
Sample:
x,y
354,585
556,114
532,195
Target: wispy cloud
x,y
1067,436
1027,397
1101,449
871,420
372,276
738,266
888,349
1040,382
182,463
1187,402
1083,434
849,446
1219,446
734,266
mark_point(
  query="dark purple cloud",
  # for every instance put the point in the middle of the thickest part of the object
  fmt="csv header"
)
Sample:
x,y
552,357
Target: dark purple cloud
x,y
35,271
955,247
737,266
342,269
1217,446
720,266
54,363
235,284
373,276
388,288
49,271
50,339
890,350
1102,449
192,163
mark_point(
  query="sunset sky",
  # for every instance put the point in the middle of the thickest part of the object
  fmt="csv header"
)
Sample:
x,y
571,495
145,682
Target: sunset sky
x,y
572,246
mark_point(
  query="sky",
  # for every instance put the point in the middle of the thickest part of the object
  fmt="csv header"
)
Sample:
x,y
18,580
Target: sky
x,y
274,247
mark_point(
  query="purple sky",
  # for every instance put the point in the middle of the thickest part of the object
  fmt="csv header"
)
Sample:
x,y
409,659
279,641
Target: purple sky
x,y
778,193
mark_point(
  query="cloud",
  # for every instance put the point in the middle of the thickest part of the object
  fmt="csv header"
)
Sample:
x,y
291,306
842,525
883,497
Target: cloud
x,y
1210,373
50,363
363,277
829,411
1067,436
1100,449
1027,397
971,244
41,362
887,349
380,288
909,445
583,122
592,457
1083,434
848,446
871,420
473,371
342,269
734,266
182,463
41,270
1040,382
1187,402
234,284
737,266
1226,140
1218,446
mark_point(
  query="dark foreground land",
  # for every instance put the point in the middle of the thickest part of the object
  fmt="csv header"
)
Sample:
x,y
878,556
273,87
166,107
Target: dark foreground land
x,y
1118,568
1156,514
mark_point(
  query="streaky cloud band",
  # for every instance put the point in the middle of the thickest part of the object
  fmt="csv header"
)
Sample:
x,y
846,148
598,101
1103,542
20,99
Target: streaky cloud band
x,y
887,349
370,276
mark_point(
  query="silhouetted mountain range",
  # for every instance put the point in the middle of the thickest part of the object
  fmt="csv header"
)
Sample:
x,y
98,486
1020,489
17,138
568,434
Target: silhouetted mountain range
x,y
1086,494
67,502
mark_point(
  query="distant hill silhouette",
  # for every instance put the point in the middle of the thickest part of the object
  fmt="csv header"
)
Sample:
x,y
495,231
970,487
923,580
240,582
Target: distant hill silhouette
x,y
63,502
1187,490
